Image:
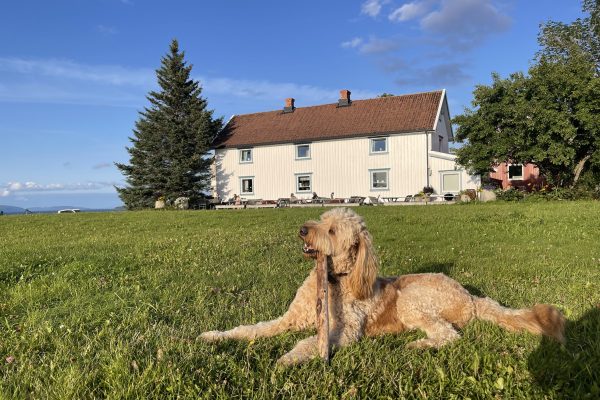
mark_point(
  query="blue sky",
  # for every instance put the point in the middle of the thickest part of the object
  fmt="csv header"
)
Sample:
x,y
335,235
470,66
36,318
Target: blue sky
x,y
74,74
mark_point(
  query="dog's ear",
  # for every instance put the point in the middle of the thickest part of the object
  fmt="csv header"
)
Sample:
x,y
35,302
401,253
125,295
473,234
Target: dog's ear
x,y
363,275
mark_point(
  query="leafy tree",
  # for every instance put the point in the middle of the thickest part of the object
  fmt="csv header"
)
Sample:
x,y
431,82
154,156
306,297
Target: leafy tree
x,y
171,139
550,117
561,41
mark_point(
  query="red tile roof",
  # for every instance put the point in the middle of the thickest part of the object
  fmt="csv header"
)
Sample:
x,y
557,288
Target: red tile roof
x,y
394,114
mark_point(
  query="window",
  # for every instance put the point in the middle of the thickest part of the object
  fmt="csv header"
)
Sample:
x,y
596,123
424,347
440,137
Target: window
x,y
247,185
450,182
379,179
246,156
378,145
302,151
304,183
515,172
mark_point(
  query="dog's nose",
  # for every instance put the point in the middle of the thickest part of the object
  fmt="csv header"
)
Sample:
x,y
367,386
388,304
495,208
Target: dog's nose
x,y
303,231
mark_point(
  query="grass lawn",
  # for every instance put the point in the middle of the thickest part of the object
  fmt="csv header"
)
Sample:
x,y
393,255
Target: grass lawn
x,y
110,304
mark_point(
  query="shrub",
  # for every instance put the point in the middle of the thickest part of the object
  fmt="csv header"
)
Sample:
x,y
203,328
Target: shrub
x,y
510,194
577,193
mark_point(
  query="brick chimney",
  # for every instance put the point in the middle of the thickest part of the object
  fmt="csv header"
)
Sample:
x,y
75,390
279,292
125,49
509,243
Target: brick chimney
x,y
289,105
344,100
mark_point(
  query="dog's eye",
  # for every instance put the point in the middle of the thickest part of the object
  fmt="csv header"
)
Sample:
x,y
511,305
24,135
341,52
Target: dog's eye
x,y
332,231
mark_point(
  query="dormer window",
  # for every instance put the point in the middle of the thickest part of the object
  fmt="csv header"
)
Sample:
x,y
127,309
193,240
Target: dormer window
x,y
302,151
245,156
379,145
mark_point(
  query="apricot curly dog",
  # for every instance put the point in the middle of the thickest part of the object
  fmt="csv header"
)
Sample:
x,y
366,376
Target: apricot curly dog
x,y
362,304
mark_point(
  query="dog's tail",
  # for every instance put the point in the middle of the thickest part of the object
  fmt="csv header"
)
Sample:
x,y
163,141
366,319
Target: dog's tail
x,y
541,319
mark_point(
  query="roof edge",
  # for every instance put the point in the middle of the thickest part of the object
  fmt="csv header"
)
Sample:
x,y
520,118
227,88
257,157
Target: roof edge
x,y
221,130
326,138
439,110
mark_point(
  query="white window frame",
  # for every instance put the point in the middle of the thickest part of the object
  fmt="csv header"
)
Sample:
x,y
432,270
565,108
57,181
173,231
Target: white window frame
x,y
297,177
372,141
515,178
242,161
242,179
450,172
387,179
296,151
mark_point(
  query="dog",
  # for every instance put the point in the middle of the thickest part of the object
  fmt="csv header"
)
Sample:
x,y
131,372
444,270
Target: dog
x,y
361,304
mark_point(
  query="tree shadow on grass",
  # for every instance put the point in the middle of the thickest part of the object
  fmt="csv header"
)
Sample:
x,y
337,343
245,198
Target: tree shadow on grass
x,y
571,371
433,268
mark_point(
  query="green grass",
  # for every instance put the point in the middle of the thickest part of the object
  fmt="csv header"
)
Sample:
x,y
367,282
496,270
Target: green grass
x,y
110,304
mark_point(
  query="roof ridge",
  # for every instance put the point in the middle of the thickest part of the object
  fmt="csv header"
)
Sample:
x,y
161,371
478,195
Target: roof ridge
x,y
335,104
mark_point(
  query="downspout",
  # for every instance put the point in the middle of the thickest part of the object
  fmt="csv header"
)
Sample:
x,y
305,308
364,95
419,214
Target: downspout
x,y
427,156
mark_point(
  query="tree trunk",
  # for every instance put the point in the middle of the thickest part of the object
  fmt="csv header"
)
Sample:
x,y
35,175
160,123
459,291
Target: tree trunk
x,y
579,168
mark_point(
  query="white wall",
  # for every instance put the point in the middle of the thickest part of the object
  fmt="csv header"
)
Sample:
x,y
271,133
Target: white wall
x,y
442,162
339,166
441,130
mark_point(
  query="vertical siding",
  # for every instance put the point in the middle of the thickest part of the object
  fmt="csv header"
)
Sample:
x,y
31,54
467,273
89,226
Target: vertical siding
x,y
338,166
442,131
531,177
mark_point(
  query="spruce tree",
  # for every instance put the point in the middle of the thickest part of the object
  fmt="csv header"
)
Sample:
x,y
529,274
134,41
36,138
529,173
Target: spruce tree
x,y
171,139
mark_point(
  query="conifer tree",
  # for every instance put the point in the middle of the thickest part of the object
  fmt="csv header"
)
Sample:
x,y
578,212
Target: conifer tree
x,y
171,139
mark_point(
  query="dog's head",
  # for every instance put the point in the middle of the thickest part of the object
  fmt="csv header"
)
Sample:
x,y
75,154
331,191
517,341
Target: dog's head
x,y
342,236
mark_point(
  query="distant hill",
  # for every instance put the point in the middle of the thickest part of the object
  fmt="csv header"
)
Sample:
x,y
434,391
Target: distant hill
x,y
12,210
54,209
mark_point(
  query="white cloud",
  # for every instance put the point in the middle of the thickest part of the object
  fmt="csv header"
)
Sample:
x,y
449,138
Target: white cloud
x,y
68,82
371,8
377,45
19,187
265,90
70,92
441,75
107,30
438,40
102,165
66,69
410,11
463,24
455,24
353,43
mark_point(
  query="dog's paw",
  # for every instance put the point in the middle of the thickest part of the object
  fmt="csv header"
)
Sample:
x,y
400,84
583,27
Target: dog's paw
x,y
211,336
422,344
428,343
287,360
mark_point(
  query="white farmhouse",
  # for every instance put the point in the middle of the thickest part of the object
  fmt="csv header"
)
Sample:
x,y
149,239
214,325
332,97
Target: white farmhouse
x,y
389,147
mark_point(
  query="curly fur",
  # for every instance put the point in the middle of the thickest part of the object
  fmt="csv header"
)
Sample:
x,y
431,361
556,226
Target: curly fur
x,y
360,304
